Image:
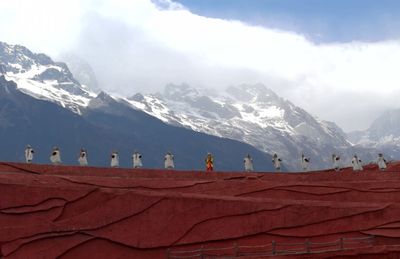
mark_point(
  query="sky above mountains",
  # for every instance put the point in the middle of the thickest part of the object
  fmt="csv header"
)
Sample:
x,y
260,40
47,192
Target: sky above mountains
x,y
320,21
337,59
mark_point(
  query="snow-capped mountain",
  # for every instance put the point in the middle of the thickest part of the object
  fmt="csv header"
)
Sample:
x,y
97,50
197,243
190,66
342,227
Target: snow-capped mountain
x,y
253,114
383,134
82,71
41,103
39,76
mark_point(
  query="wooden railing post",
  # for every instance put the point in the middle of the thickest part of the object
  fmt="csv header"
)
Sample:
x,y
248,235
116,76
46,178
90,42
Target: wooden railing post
x,y
235,245
341,243
307,244
201,252
273,247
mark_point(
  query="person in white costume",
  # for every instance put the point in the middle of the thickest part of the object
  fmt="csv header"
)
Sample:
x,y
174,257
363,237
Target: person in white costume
x,y
336,162
29,154
169,161
83,158
55,157
248,163
276,161
305,161
114,159
381,161
137,160
357,163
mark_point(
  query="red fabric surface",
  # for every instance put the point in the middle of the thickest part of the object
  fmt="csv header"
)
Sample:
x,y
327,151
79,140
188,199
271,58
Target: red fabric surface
x,y
70,212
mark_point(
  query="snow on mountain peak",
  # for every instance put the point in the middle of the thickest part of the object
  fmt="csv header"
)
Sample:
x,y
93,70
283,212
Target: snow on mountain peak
x,y
250,113
252,93
40,77
102,100
179,92
384,133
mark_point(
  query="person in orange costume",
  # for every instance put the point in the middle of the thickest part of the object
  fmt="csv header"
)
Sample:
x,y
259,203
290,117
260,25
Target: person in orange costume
x,y
209,162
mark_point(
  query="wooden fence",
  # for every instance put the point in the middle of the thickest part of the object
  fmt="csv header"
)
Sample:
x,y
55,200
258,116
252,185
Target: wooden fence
x,y
272,249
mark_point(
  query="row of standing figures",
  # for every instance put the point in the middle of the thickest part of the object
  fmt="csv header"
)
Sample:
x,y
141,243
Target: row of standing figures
x,y
356,162
305,163
55,158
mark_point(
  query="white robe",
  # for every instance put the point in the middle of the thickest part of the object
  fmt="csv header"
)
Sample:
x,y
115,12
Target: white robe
x,y
305,163
114,160
83,159
169,161
248,164
29,154
55,157
381,163
357,166
137,160
277,163
336,163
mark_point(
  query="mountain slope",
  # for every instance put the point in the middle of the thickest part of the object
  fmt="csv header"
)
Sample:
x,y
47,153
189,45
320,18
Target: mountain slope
x,y
383,134
253,114
43,124
105,125
249,113
39,76
82,71
148,132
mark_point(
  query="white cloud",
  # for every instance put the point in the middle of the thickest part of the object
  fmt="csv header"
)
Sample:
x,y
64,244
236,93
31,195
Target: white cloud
x,y
139,46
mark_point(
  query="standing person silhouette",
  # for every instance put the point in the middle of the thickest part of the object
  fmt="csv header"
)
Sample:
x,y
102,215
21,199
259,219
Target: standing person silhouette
x,y
356,162
336,162
114,159
305,161
83,157
209,162
248,163
381,161
137,159
276,161
169,161
29,154
55,157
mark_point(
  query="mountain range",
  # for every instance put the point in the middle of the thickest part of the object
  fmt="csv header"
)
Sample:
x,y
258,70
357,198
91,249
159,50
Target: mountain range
x,y
188,121
382,135
256,115
42,104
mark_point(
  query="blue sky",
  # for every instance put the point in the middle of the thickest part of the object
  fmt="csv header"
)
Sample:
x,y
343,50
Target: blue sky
x,y
320,20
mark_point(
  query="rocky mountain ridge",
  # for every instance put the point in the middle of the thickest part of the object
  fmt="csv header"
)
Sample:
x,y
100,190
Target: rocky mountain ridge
x,y
252,114
58,111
